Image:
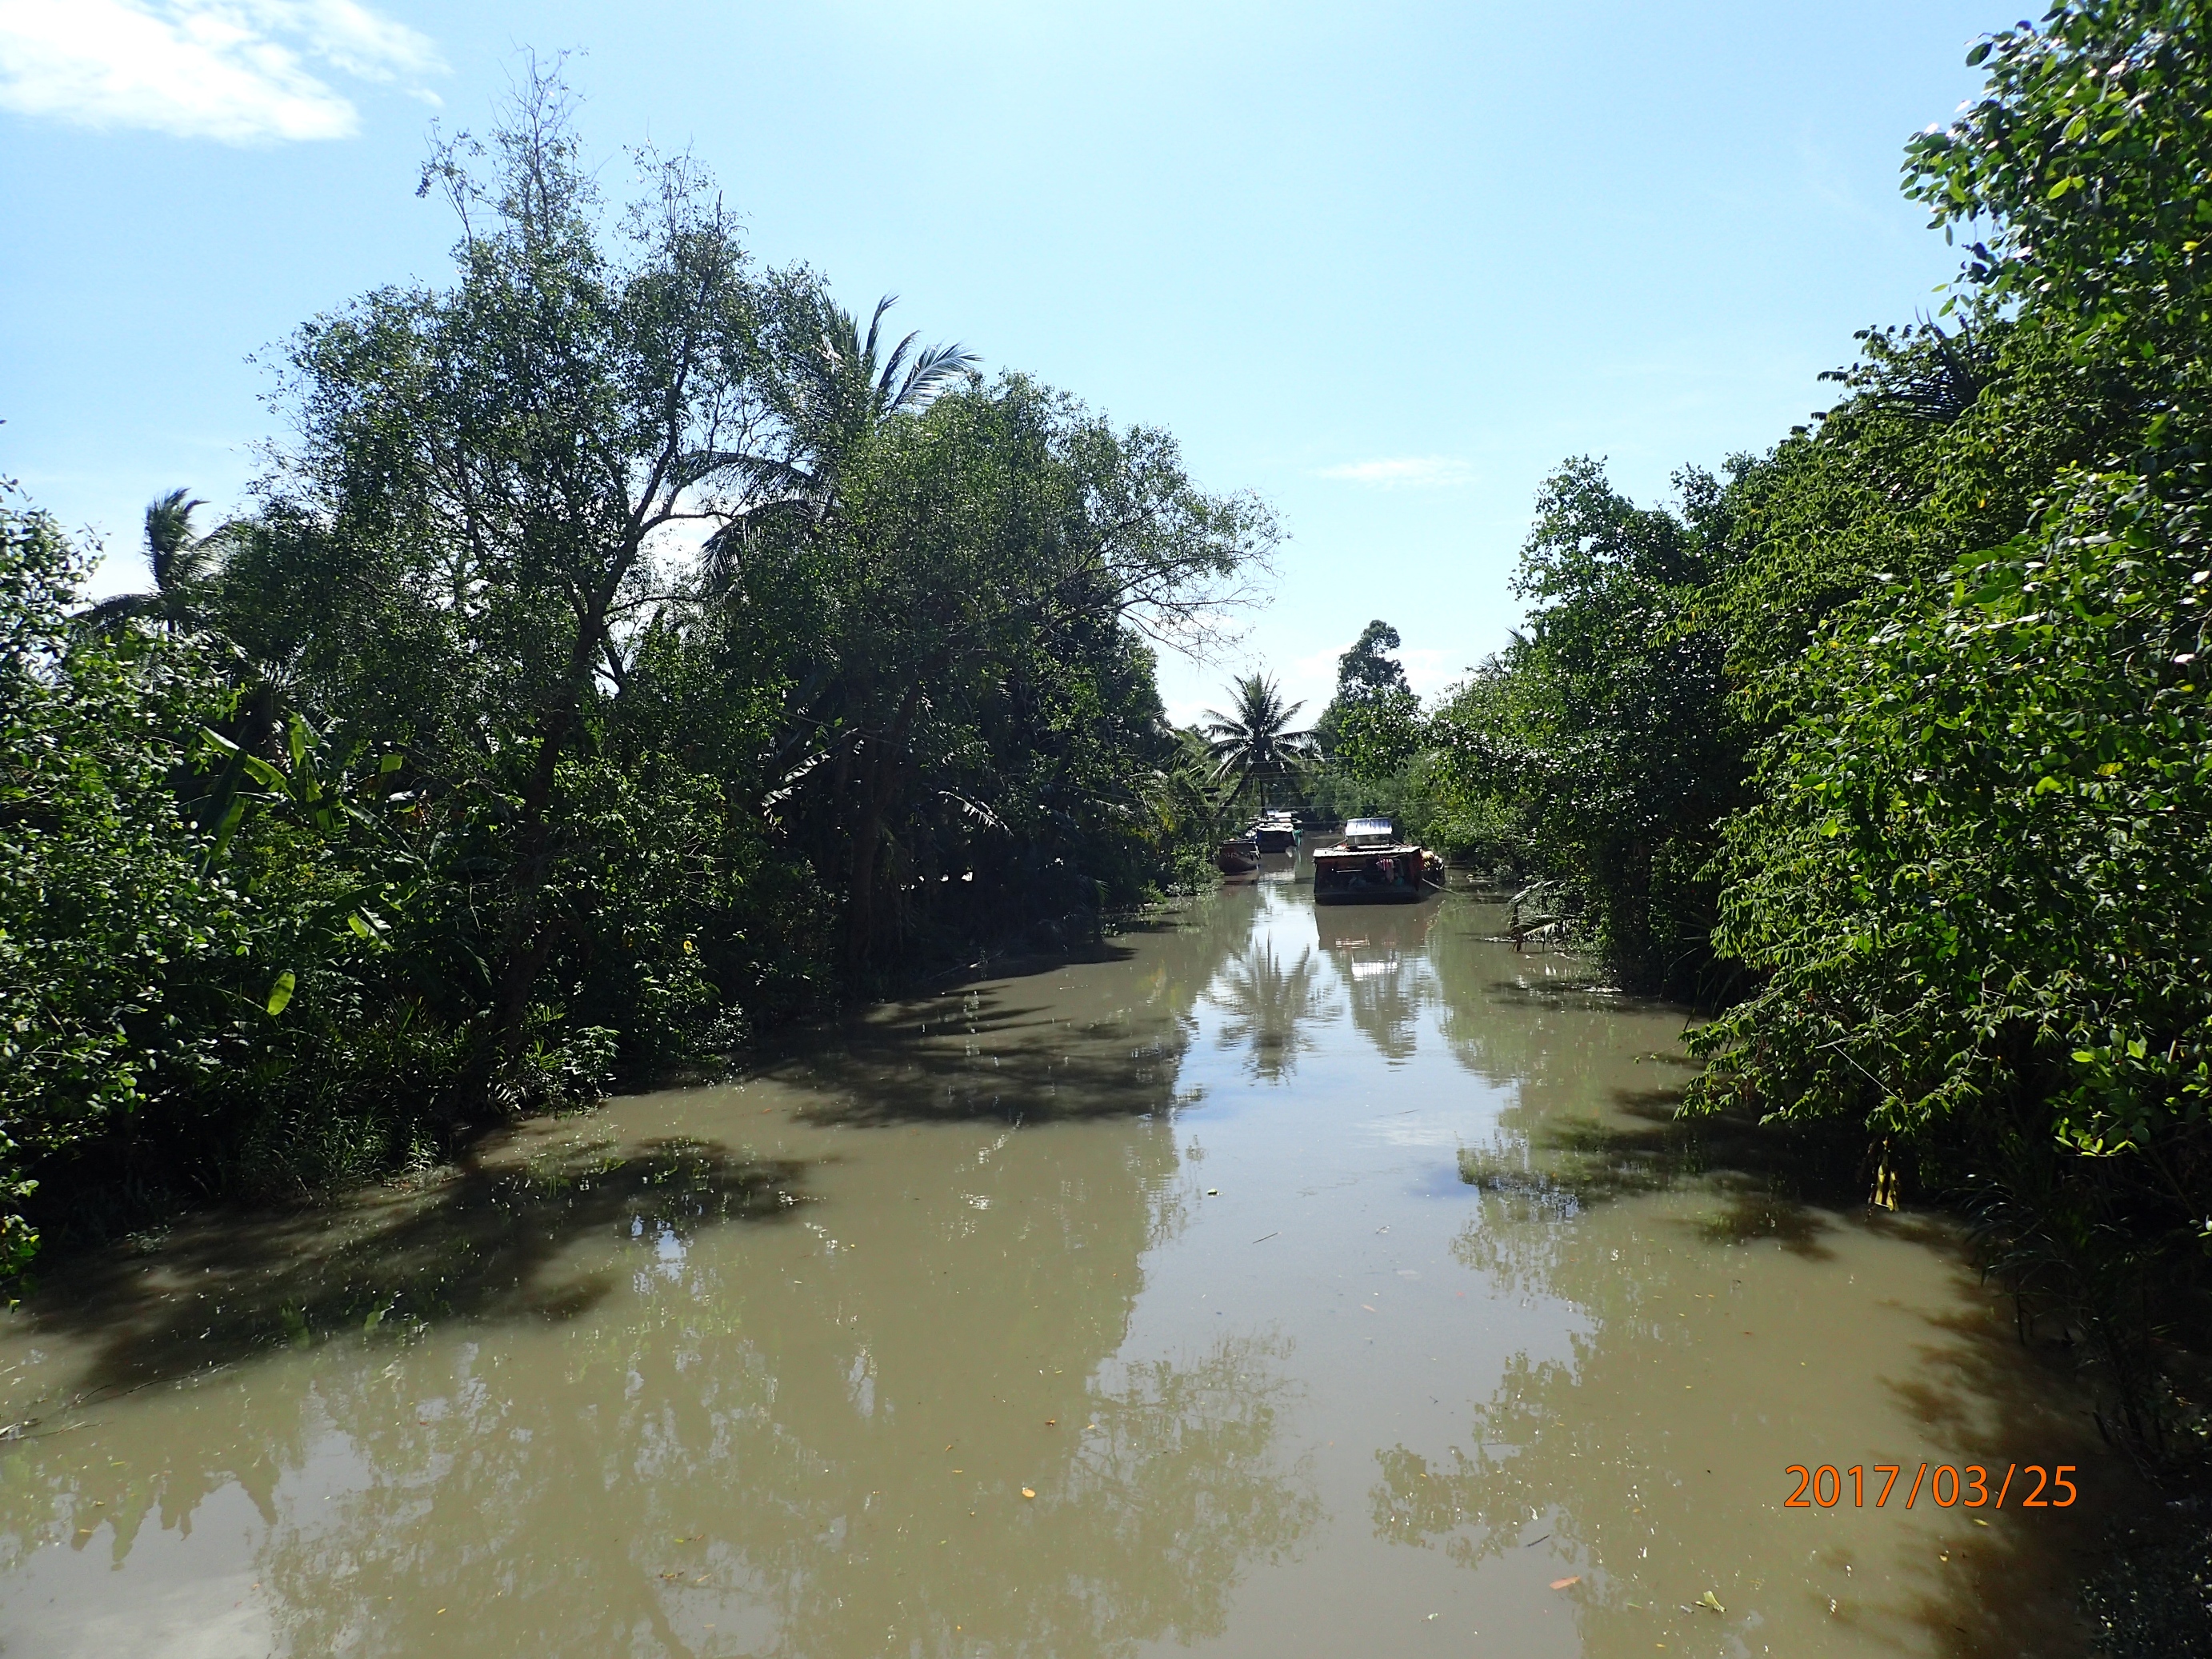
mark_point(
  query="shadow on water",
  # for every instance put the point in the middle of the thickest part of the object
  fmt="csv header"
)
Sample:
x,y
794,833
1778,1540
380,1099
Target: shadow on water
x,y
1606,1204
485,1244
1096,1044
1995,1404
985,1059
1782,1182
1602,1487
493,1240
713,1432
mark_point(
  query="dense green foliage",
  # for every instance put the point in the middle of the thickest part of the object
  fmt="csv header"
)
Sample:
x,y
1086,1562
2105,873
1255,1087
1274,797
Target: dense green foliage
x,y
625,649
1605,723
103,905
1892,742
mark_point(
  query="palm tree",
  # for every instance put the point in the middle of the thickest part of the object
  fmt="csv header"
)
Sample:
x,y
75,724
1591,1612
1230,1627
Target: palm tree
x,y
839,390
853,389
183,568
1191,804
1254,742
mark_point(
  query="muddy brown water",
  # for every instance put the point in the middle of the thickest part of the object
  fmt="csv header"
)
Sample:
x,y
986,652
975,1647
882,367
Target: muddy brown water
x,y
1137,1305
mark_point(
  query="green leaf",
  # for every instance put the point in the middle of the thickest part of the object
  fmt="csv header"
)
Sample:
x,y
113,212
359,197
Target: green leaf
x,y
280,993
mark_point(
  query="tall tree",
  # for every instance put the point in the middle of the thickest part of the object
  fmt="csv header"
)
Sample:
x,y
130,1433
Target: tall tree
x,y
1608,719
1368,666
833,391
1254,742
1366,675
184,566
963,639
502,462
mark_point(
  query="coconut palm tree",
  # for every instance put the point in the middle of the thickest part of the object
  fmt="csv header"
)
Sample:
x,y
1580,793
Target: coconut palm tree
x,y
851,388
1254,742
837,391
184,568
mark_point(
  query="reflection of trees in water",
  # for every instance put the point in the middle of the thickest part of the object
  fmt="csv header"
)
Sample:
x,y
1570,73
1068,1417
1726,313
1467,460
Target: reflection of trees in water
x,y
1266,1004
758,1441
1540,1447
1063,1041
1387,993
1608,1449
1512,1018
1164,1513
649,1502
1595,1448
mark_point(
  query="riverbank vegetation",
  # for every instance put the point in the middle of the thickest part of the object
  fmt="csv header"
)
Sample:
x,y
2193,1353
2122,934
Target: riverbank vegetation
x,y
624,648
1892,743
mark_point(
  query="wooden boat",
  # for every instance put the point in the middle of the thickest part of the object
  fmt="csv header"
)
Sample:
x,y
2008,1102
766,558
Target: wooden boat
x,y
1275,832
1373,866
1236,858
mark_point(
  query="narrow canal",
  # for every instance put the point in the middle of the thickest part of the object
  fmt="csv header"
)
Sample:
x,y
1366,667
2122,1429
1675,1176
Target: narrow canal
x,y
1280,1282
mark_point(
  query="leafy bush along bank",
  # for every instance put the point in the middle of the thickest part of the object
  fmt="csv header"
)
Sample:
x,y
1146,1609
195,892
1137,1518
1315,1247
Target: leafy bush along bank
x,y
1892,742
628,646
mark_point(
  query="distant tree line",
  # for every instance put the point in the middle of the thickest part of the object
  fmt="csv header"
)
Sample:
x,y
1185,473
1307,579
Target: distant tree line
x,y
624,648
1893,742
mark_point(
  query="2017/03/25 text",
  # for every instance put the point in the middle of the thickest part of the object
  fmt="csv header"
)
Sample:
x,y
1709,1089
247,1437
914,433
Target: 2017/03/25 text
x,y
1946,1485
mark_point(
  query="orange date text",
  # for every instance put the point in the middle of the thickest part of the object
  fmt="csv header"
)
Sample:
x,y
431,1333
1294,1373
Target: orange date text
x,y
1947,1486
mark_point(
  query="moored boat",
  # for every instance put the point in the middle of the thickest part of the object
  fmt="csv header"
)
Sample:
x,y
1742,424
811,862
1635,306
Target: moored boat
x,y
1275,832
1238,857
1373,866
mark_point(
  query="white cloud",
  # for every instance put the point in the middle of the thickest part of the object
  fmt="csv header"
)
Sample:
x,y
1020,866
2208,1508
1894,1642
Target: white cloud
x,y
1406,471
236,70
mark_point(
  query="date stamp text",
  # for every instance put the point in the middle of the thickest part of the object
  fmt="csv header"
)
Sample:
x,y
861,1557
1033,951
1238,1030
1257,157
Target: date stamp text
x,y
1968,1485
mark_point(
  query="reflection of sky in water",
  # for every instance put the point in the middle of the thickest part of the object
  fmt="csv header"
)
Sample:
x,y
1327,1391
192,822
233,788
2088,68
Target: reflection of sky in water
x,y
1291,1009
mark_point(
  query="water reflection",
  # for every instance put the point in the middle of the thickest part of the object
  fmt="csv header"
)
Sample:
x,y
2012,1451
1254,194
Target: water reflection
x,y
692,1392
971,1328
1270,1002
1380,953
1101,1037
1721,1324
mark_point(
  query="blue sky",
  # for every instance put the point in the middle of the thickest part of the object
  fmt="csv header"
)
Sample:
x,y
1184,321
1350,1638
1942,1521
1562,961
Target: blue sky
x,y
1385,264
